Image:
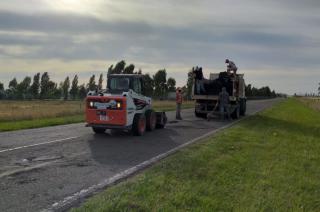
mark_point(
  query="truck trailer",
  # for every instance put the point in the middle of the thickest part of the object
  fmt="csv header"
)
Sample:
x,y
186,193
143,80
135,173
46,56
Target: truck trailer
x,y
206,101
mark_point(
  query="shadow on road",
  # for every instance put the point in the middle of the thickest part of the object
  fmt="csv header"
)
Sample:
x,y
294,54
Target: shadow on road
x,y
122,148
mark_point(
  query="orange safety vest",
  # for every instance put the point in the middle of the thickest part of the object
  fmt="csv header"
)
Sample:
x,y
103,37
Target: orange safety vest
x,y
178,97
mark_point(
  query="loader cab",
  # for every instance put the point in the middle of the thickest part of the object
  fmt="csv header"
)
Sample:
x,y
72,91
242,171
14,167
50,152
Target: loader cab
x,y
119,83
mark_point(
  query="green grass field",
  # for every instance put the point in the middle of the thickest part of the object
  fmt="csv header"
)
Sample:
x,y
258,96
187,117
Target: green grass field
x,y
267,162
15,115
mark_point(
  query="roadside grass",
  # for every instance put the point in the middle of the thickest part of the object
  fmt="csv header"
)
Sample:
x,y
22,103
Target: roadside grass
x,y
16,115
267,162
313,102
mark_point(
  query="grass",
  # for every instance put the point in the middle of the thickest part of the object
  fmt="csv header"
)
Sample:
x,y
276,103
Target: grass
x,y
16,115
268,162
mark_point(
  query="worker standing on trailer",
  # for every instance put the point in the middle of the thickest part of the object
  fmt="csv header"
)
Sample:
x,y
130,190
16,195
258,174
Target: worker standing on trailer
x,y
179,103
231,66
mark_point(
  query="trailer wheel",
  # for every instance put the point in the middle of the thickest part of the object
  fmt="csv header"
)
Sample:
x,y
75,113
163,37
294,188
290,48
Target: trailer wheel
x,y
236,112
139,124
243,107
98,130
200,115
151,119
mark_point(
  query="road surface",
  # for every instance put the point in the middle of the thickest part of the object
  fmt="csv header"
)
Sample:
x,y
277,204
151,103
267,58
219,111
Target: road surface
x,y
39,167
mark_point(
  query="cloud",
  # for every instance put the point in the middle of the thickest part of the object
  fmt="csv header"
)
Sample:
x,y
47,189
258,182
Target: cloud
x,y
281,36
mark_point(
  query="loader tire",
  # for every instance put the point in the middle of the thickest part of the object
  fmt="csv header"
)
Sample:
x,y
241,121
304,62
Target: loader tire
x,y
161,120
151,120
139,124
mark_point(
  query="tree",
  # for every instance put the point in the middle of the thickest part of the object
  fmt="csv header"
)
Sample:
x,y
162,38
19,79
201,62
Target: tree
x,y
55,92
2,92
248,90
44,85
82,91
23,89
11,93
171,83
100,82
13,84
160,83
110,70
129,69
319,89
189,84
91,86
74,88
118,69
65,88
148,85
35,87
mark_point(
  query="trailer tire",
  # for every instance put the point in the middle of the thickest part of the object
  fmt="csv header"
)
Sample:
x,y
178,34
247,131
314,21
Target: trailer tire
x,y
200,115
139,124
151,120
243,107
98,130
236,112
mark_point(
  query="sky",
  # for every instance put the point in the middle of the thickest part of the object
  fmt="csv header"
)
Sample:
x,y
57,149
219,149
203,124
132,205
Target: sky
x,y
274,43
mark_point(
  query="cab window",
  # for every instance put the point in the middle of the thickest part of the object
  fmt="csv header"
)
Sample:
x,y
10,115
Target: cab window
x,y
137,86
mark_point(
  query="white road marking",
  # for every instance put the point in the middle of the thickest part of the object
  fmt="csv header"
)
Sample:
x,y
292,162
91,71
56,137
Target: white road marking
x,y
39,144
69,201
78,197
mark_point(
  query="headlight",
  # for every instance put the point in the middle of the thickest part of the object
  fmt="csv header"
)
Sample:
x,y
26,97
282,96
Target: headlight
x,y
118,105
91,104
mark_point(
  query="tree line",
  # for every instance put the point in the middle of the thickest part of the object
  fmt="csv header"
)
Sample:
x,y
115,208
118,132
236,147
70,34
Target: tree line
x,y
42,87
157,86
265,91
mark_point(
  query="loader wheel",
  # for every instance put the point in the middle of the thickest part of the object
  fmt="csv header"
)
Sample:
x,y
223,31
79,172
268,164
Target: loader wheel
x,y
98,130
139,124
236,113
162,120
151,119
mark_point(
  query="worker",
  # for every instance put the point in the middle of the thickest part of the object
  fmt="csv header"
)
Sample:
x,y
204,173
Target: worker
x,y
231,67
224,105
179,103
198,75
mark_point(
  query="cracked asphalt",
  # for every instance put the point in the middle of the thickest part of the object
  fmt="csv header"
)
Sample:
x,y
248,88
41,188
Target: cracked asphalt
x,y
39,167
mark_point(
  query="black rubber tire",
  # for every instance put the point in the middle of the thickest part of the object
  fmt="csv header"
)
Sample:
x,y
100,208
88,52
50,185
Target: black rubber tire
x,y
200,115
151,120
243,107
236,113
137,128
98,130
163,122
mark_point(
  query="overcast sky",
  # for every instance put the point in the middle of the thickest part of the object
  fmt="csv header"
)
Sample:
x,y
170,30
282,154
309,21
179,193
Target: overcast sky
x,y
275,42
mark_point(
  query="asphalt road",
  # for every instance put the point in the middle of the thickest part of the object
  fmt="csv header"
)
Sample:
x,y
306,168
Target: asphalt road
x,y
39,167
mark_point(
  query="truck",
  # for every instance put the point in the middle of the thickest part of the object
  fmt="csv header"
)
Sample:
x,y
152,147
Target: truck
x,y
123,106
206,101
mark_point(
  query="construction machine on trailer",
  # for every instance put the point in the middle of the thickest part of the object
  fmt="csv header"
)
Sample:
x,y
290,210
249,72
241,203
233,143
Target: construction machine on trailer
x,y
206,101
123,106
